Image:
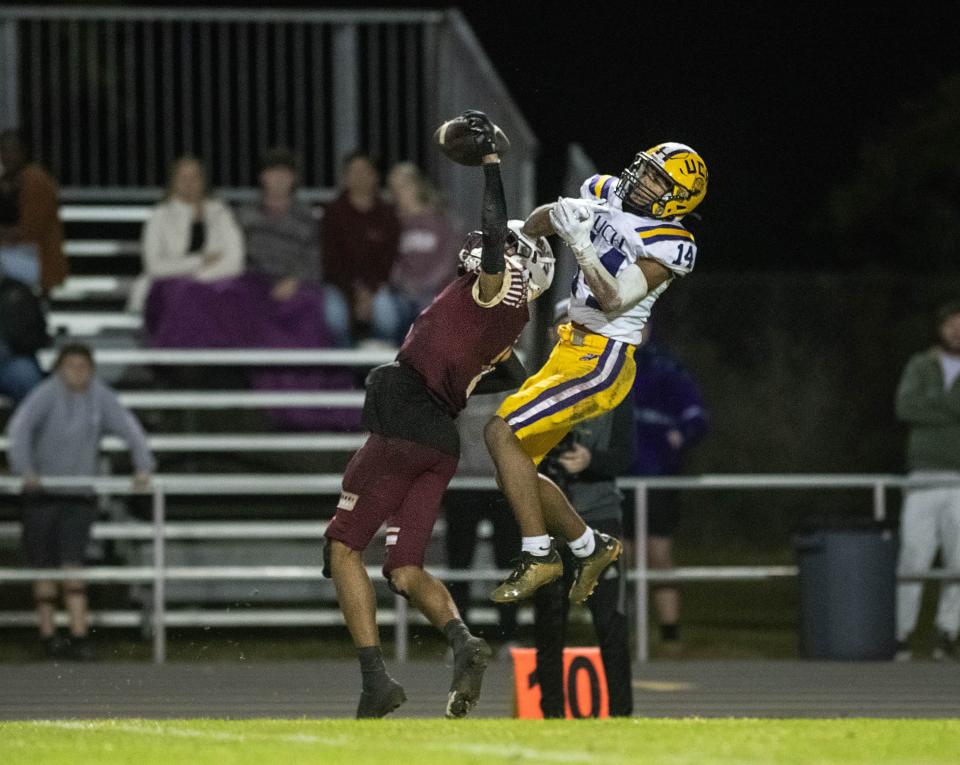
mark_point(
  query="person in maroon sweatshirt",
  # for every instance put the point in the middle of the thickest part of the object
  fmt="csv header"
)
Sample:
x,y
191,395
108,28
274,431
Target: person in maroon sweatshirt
x,y
400,474
359,240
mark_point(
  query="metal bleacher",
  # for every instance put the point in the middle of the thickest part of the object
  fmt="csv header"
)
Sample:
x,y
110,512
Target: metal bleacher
x,y
91,307
339,79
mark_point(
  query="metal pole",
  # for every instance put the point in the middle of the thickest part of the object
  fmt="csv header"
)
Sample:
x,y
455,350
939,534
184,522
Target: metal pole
x,y
159,577
10,75
401,629
346,92
879,501
641,584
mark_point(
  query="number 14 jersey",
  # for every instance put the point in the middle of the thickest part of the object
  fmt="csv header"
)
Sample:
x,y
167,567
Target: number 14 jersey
x,y
621,238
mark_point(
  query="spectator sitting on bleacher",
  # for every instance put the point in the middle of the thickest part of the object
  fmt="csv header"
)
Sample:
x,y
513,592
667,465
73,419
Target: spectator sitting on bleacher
x,y
23,332
189,237
255,309
281,302
423,266
31,234
283,245
359,235
56,431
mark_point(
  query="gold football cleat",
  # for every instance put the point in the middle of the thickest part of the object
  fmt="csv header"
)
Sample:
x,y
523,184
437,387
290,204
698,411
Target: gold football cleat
x,y
590,568
531,573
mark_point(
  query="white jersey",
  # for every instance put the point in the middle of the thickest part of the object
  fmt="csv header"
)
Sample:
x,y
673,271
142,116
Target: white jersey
x,y
622,238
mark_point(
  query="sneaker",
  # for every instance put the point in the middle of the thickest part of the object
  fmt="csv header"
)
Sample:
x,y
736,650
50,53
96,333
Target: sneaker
x,y
531,573
382,700
589,569
945,648
903,651
469,664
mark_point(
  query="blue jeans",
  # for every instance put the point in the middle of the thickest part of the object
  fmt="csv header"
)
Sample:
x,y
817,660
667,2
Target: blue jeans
x,y
393,313
18,374
336,315
386,316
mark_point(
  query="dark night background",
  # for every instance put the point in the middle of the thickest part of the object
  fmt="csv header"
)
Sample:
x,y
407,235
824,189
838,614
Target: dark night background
x,y
778,100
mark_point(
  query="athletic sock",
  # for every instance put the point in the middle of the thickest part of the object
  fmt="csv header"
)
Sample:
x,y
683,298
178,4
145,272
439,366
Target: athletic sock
x,y
456,633
539,546
584,545
371,666
669,631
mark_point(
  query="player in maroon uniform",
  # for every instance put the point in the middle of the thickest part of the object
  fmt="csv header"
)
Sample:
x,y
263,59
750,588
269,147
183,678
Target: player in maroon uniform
x,y
400,474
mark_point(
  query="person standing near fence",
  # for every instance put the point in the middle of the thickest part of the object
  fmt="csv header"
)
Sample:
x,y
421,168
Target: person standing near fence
x,y
928,401
56,431
464,510
585,466
671,418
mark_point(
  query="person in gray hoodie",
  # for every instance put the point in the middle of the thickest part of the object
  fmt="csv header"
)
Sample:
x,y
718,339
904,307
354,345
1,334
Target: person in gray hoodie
x,y
928,401
56,431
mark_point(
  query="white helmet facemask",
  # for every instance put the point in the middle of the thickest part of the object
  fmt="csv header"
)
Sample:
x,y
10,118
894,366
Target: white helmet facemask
x,y
535,256
532,256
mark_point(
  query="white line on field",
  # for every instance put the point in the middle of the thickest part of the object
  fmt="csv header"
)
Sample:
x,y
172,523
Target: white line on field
x,y
160,729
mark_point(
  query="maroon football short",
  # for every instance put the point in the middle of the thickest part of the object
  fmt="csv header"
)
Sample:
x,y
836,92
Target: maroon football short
x,y
397,482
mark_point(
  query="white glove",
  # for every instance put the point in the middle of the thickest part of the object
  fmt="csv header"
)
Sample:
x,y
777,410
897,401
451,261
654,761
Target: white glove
x,y
572,219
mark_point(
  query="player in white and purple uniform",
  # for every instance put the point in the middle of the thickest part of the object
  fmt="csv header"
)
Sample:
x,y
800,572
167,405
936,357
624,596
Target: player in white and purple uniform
x,y
630,243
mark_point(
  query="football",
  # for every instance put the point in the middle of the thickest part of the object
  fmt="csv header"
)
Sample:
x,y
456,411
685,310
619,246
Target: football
x,y
456,142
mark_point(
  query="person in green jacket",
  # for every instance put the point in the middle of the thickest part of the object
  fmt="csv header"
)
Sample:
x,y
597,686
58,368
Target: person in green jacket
x,y
928,400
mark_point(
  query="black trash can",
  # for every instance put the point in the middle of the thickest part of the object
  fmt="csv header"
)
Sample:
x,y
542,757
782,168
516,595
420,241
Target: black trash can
x,y
848,589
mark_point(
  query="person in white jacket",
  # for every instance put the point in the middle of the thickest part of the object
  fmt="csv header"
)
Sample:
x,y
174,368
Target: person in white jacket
x,y
189,234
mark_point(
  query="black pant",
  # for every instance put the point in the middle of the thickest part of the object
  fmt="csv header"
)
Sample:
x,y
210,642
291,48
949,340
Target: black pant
x,y
607,607
464,510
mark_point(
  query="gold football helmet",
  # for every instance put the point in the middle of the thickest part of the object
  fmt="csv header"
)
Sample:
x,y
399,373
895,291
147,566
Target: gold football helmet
x,y
666,181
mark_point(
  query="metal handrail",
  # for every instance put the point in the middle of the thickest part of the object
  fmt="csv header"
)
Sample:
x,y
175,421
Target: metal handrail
x,y
199,13
236,442
247,357
237,399
182,485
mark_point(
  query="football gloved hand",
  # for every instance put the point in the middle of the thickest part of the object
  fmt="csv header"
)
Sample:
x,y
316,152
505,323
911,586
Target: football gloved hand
x,y
483,131
572,219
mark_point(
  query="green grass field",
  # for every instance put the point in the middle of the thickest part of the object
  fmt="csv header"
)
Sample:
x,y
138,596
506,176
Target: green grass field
x,y
482,742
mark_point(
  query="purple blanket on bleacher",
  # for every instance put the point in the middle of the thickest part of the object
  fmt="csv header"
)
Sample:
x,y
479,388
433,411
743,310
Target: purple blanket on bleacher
x,y
240,313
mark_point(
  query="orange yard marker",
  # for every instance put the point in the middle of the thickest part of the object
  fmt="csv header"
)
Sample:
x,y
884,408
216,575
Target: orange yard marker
x,y
584,683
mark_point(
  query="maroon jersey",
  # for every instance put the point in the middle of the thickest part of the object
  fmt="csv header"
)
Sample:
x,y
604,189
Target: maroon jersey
x,y
456,340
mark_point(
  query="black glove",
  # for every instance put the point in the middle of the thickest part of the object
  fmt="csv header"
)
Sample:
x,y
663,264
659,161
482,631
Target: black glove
x,y
483,131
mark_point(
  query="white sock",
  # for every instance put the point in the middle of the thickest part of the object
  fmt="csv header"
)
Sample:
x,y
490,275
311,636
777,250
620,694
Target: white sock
x,y
539,546
583,545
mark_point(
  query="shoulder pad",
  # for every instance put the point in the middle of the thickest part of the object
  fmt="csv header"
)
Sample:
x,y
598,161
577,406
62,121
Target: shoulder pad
x,y
668,243
598,186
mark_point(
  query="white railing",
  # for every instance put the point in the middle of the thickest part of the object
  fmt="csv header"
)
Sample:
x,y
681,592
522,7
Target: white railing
x,y
246,357
87,323
236,442
237,399
165,486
